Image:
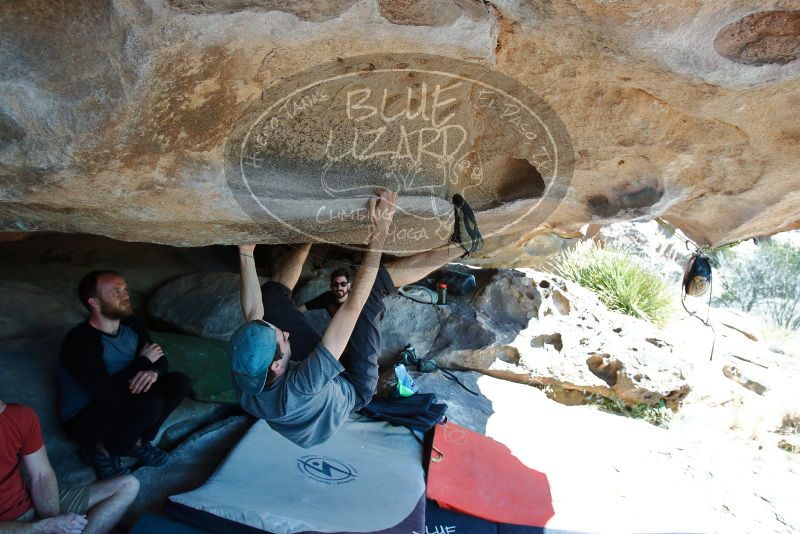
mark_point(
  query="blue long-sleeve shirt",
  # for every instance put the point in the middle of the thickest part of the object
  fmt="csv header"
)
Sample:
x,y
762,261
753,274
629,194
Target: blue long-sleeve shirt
x,y
95,366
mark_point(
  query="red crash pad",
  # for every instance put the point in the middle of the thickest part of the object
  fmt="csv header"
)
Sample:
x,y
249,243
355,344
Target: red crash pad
x,y
478,476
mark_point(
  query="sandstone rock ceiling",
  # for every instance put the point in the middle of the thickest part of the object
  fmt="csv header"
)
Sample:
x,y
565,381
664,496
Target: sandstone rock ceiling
x,y
131,118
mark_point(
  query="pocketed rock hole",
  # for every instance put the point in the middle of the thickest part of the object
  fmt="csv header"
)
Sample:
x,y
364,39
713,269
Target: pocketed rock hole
x,y
605,368
762,38
521,180
543,341
561,303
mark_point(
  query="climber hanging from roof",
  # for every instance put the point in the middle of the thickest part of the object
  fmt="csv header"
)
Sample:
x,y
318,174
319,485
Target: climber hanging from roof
x,y
308,399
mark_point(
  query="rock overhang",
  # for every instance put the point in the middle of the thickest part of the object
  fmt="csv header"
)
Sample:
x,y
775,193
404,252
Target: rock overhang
x,y
129,134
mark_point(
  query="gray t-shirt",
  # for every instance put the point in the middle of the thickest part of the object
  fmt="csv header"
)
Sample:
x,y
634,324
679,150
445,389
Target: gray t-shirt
x,y
308,403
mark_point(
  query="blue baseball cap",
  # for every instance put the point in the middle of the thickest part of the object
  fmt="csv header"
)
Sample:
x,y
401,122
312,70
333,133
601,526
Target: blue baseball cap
x,y
252,349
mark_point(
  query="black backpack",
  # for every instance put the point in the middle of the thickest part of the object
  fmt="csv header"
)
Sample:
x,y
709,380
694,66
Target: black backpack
x,y
697,276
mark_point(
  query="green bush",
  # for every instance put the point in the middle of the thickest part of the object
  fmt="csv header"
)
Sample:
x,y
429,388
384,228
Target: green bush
x,y
790,424
619,281
608,404
656,414
764,283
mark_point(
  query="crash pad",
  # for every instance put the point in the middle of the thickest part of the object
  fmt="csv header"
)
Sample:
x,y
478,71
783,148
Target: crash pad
x,y
367,478
204,360
476,475
441,521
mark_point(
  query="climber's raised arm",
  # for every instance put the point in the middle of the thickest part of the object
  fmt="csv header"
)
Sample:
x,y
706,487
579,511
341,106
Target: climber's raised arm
x,y
381,212
249,288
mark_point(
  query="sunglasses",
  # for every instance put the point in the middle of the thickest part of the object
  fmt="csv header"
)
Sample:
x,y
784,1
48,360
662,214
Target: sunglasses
x,y
339,284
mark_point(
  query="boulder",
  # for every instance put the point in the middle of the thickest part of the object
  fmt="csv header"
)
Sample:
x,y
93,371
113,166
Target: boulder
x,y
173,105
761,38
202,304
550,332
207,305
409,323
28,311
524,326
55,263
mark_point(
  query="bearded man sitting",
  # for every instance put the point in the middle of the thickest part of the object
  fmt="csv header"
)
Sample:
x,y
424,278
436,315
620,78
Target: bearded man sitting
x,y
116,388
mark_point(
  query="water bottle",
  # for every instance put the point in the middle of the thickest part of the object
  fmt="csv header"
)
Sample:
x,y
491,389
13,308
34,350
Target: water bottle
x,y
441,291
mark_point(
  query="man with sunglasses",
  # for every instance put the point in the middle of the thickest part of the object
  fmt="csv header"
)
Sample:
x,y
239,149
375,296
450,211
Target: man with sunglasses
x,y
330,301
308,399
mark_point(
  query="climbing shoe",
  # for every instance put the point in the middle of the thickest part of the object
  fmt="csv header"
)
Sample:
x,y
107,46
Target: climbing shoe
x,y
466,233
147,454
104,466
409,358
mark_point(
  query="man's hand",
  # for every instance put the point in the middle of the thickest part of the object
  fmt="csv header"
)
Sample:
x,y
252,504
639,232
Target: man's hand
x,y
381,212
63,524
152,352
247,249
141,381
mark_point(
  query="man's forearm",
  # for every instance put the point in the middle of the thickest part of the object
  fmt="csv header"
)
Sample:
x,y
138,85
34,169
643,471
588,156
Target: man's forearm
x,y
44,493
366,274
249,289
341,326
381,212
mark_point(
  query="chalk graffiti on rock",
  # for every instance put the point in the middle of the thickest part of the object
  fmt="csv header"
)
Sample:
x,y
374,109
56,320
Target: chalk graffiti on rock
x,y
418,134
424,126
516,116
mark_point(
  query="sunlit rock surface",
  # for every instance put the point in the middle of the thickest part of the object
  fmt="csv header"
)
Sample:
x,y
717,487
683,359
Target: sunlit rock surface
x,y
681,109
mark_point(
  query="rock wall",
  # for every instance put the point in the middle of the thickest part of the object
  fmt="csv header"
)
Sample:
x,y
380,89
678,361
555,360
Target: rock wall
x,y
682,109
527,327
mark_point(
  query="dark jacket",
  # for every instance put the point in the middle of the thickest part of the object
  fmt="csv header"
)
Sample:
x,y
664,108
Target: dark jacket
x,y
324,301
82,358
